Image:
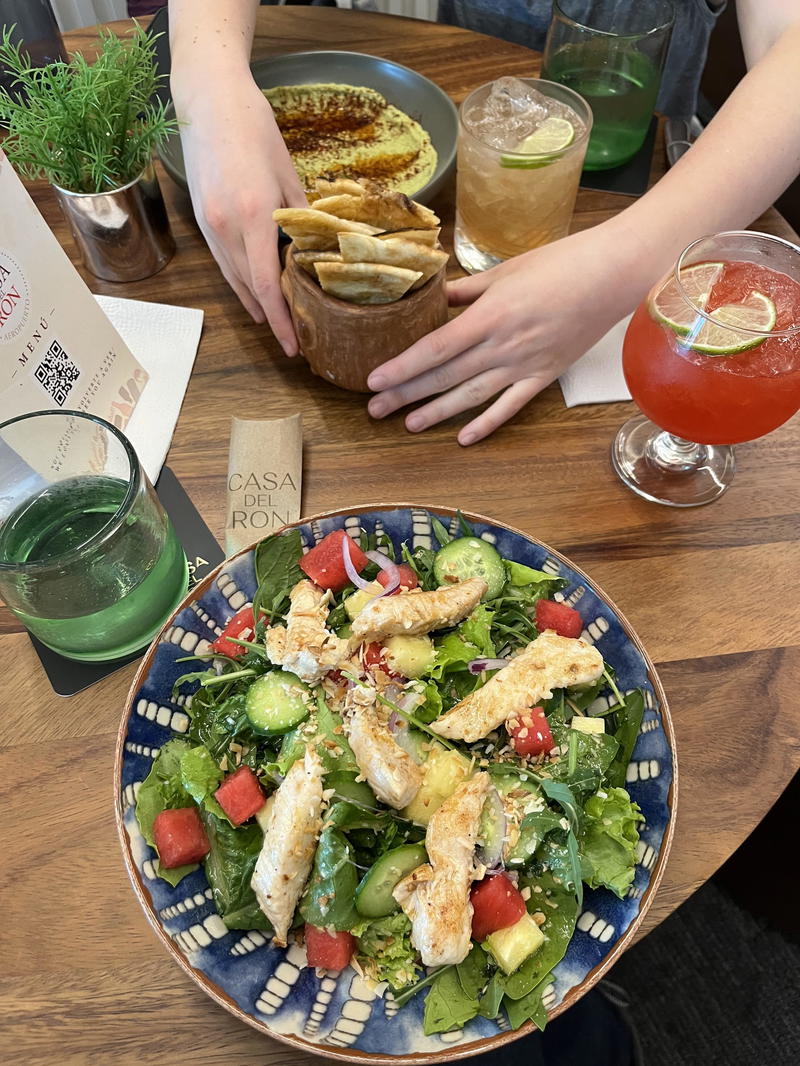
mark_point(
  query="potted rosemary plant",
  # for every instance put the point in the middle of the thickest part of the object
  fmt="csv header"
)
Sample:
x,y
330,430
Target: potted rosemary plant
x,y
90,130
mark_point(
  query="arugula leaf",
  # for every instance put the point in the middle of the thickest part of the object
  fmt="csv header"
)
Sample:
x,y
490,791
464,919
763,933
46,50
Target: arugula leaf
x,y
229,867
447,1007
608,840
464,526
593,754
328,898
440,531
277,572
628,720
421,562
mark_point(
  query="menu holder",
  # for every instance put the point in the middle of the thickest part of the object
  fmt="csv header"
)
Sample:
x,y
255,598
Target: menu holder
x,y
633,177
68,676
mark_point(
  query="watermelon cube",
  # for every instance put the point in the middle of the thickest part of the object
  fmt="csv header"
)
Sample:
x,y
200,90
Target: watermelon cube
x,y
240,795
180,837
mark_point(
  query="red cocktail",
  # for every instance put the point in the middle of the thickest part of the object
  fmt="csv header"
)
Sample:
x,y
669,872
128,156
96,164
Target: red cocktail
x,y
712,357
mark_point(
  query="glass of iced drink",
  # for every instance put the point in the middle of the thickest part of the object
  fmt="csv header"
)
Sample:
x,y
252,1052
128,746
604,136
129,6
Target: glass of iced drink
x,y
521,144
613,55
89,560
712,358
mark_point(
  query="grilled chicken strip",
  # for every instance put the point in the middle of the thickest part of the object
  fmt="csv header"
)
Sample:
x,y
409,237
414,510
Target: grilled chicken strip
x,y
436,896
416,612
290,839
546,663
305,646
392,774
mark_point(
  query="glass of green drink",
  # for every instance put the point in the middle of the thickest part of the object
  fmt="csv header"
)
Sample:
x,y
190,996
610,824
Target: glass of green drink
x,y
89,561
612,53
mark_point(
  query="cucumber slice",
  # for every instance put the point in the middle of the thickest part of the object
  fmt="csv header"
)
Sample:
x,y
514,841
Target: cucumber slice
x,y
468,557
374,897
277,702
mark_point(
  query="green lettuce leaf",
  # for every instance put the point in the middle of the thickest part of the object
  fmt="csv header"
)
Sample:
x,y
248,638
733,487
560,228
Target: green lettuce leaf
x,y
520,575
385,951
609,835
163,787
476,631
201,777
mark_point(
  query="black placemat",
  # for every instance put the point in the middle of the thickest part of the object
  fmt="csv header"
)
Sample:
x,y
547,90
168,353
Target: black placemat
x,y
67,676
631,178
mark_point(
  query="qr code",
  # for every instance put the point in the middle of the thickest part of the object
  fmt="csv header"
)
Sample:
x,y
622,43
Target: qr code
x,y
57,373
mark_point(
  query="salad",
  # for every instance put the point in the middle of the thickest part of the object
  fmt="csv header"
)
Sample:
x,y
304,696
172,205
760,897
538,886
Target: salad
x,y
402,761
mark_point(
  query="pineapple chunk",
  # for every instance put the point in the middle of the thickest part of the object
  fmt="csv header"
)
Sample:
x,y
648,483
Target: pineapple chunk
x,y
584,724
359,599
443,771
513,945
409,656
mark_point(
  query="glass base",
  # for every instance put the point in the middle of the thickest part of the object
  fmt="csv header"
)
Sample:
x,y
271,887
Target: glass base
x,y
472,259
665,469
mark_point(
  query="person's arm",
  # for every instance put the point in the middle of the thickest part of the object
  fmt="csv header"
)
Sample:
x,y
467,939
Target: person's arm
x,y
237,165
531,317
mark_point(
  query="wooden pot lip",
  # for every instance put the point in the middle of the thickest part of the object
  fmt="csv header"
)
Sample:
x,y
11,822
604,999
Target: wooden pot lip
x,y
354,1055
302,279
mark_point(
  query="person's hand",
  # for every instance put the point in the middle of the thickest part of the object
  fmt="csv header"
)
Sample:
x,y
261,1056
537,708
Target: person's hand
x,y
239,172
525,322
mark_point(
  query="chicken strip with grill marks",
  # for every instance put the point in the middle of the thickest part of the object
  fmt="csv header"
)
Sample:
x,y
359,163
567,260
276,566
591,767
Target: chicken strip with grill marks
x,y
290,840
306,647
436,896
411,613
392,774
547,663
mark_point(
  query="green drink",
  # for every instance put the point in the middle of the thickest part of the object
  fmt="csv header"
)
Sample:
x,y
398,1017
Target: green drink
x,y
622,98
89,561
612,55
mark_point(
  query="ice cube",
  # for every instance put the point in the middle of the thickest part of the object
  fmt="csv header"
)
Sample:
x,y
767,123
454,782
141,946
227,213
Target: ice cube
x,y
512,111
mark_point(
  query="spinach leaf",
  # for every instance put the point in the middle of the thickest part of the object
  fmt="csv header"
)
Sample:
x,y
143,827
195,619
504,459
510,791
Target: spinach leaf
x,y
473,972
529,1007
489,1002
347,816
229,867
628,720
323,728
560,909
277,572
328,898
447,1007
532,831
593,754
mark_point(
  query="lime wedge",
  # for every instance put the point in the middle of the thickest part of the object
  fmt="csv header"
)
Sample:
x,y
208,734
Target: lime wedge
x,y
554,135
670,304
720,337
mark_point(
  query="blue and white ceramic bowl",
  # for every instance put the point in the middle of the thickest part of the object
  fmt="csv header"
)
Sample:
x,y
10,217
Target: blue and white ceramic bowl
x,y
271,988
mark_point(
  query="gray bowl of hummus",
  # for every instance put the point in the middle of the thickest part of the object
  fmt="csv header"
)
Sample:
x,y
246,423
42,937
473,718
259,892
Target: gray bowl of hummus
x,y
347,114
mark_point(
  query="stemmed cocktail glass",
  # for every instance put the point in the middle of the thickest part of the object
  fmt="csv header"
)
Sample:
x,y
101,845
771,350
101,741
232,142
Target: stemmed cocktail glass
x,y
712,358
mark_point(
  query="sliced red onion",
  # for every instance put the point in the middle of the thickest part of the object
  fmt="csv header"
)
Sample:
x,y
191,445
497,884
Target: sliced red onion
x,y
477,666
352,573
491,853
394,722
390,568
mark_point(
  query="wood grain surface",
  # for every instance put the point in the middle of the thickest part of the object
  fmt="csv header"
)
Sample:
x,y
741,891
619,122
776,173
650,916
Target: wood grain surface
x,y
713,592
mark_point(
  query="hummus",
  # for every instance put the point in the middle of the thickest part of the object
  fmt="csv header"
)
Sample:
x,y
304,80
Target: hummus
x,y
349,131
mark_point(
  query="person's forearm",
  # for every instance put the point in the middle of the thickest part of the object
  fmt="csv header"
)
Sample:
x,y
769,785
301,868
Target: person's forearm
x,y
209,43
742,162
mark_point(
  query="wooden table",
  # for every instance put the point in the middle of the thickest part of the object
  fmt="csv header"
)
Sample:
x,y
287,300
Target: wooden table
x,y
713,592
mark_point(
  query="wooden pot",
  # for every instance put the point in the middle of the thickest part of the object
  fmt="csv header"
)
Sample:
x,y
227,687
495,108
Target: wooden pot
x,y
344,342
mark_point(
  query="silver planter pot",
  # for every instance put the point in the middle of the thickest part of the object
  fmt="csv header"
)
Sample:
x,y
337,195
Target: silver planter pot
x,y
123,234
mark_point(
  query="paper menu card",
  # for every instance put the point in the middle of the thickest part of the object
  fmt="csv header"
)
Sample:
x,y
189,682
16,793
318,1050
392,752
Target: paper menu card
x,y
57,348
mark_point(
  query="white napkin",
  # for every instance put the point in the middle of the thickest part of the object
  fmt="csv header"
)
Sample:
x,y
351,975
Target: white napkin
x,y
597,376
164,339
